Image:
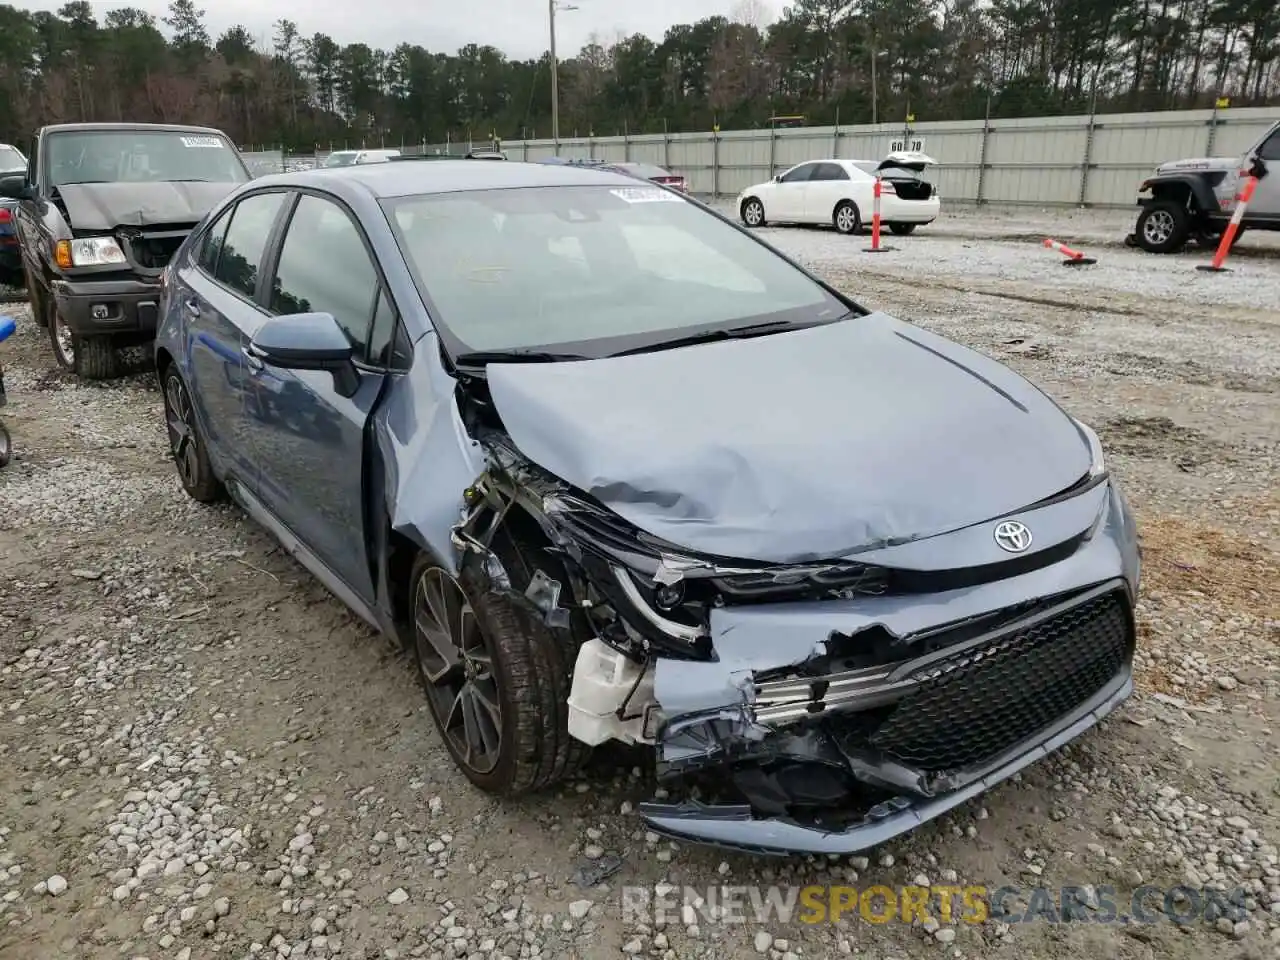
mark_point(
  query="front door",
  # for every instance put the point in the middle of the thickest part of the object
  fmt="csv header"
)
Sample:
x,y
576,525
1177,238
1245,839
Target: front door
x,y
310,441
786,202
1266,196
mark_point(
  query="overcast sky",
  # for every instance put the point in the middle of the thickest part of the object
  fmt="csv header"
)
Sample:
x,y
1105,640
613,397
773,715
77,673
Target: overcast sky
x,y
517,27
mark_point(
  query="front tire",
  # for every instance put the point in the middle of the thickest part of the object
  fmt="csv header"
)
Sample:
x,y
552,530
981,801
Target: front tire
x,y
496,679
753,212
903,229
90,358
1164,226
846,218
186,443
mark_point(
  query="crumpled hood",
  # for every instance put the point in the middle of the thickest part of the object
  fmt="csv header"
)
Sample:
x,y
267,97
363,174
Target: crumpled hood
x,y
104,206
1199,165
799,446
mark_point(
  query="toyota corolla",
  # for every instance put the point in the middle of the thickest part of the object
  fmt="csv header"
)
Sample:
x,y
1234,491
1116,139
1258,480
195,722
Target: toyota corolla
x,y
611,468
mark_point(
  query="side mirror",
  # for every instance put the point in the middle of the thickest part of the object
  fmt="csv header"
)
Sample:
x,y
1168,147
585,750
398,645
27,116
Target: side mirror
x,y
777,178
14,188
307,341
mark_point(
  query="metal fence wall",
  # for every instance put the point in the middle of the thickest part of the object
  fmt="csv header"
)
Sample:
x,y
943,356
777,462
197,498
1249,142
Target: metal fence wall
x,y
1094,161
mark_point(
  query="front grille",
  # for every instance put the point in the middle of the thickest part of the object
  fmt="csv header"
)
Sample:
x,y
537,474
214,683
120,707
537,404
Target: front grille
x,y
971,708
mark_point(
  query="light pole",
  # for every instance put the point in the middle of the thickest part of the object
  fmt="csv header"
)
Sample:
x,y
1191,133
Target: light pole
x,y
552,6
875,99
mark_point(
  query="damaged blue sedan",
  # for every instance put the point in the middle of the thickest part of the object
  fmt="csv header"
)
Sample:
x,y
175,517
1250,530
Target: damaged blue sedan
x,y
611,468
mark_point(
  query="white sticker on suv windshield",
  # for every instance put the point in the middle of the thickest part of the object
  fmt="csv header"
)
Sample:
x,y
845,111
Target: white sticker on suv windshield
x,y
206,142
646,195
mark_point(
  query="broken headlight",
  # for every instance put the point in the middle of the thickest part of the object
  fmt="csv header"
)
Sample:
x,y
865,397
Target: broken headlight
x,y
639,576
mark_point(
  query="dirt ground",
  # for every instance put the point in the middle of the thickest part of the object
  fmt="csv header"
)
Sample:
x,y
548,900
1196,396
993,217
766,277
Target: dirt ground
x,y
203,754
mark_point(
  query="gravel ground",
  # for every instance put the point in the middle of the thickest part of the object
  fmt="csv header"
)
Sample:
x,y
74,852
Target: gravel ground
x,y
205,755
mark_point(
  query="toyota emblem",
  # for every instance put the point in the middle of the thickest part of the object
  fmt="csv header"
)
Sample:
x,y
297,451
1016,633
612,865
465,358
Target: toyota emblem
x,y
1012,536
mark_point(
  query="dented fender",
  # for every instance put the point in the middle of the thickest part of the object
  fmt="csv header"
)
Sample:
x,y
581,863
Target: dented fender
x,y
428,458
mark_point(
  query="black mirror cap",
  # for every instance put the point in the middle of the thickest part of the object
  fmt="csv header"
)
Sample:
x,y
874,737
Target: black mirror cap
x,y
14,188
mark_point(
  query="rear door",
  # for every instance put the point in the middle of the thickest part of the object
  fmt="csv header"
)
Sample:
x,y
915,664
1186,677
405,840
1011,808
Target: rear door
x,y
828,185
215,289
310,439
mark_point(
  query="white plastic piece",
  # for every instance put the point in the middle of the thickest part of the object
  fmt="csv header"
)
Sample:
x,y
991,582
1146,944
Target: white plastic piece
x,y
603,680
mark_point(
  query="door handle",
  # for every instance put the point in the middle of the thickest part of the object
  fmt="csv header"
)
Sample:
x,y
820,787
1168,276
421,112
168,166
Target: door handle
x,y
251,359
193,308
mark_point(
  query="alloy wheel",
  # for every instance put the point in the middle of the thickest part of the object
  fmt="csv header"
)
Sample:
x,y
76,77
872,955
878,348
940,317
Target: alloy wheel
x,y
1158,227
180,420
457,665
845,220
754,213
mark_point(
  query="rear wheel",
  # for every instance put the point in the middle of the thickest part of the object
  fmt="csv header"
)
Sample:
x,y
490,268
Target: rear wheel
x,y
753,212
1163,226
846,218
903,229
186,443
1210,239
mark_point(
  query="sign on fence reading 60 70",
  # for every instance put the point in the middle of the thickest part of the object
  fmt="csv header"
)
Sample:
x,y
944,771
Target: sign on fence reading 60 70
x,y
914,145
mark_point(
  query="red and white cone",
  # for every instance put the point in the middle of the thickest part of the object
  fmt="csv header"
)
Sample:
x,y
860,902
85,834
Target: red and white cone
x,y
1074,258
875,221
1229,235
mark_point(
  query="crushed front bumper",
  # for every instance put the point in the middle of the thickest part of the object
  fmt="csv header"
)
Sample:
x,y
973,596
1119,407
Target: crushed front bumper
x,y
735,826
969,686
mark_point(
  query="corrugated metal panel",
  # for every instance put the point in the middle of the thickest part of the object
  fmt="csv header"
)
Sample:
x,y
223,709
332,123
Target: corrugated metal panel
x,y
1030,160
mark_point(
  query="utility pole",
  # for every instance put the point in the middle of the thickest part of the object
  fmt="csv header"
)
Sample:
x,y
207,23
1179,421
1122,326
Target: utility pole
x,y
555,80
555,92
875,100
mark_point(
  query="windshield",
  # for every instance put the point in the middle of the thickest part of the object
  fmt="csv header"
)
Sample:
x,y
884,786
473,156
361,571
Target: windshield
x,y
11,161
603,268
141,156
341,159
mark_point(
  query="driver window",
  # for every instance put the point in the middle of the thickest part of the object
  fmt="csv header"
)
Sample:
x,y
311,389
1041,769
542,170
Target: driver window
x,y
799,174
320,236
1270,149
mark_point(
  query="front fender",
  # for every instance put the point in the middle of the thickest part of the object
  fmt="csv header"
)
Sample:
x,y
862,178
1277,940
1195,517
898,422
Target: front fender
x,y
1196,185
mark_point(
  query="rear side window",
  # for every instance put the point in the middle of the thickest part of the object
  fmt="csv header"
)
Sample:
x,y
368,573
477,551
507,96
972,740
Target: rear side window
x,y
246,242
211,243
1271,148
830,171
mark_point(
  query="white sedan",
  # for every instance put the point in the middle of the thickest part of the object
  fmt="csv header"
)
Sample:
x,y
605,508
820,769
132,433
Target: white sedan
x,y
841,193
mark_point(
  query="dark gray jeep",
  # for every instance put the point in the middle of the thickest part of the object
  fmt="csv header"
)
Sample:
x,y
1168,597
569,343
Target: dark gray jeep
x,y
102,207
1195,199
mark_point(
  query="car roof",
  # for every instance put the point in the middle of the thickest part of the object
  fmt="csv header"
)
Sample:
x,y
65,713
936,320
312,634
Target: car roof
x,y
131,128
414,178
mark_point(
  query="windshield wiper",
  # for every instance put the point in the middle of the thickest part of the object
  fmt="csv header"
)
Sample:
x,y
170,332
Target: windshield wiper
x,y
725,333
478,358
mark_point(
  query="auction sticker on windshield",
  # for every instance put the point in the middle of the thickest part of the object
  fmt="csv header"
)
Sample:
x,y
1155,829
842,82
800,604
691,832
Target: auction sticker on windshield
x,y
206,142
646,195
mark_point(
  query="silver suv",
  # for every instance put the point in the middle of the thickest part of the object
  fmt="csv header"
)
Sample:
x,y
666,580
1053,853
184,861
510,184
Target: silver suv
x,y
1194,199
